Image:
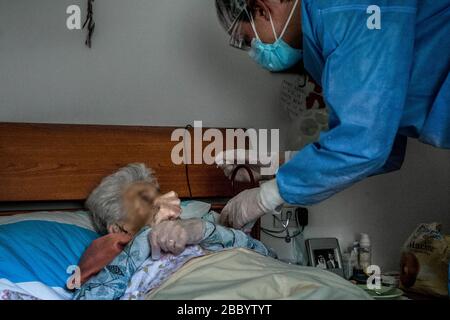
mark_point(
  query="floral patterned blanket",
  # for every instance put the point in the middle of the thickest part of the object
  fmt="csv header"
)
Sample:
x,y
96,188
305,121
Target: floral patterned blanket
x,y
133,274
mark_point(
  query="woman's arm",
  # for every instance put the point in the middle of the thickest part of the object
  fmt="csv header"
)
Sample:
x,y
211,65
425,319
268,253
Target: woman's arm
x,y
217,237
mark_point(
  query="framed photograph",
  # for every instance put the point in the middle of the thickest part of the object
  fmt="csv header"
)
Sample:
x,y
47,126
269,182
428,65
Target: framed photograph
x,y
325,253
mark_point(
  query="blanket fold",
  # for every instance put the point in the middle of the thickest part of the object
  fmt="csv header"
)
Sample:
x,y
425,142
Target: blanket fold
x,y
101,253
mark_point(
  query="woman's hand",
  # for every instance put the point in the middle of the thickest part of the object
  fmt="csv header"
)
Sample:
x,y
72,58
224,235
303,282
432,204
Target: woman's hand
x,y
168,207
174,236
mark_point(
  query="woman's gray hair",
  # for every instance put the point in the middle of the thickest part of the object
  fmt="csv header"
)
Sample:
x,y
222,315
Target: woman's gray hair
x,y
105,202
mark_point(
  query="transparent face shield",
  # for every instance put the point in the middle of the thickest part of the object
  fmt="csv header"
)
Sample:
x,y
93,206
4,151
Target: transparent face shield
x,y
238,38
235,17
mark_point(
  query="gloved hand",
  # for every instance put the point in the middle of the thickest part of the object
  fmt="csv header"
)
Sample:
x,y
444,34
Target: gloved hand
x,y
174,236
250,205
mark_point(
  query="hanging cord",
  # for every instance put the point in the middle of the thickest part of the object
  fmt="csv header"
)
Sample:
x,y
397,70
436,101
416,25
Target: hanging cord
x,y
288,236
90,23
186,165
235,172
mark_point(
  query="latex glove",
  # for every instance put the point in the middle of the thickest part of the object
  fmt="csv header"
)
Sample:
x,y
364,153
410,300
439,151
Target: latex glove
x,y
250,205
174,236
230,159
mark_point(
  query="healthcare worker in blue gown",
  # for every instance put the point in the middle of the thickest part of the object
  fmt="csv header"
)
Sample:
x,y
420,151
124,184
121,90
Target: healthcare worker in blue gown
x,y
384,69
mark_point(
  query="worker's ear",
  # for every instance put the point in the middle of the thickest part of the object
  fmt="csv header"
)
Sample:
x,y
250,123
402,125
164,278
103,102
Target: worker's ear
x,y
260,9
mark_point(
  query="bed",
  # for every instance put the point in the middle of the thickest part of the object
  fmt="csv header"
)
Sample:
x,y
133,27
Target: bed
x,y
54,167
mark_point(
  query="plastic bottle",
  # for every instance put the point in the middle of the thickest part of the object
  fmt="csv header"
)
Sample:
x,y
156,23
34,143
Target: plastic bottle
x,y
346,264
365,252
350,259
354,259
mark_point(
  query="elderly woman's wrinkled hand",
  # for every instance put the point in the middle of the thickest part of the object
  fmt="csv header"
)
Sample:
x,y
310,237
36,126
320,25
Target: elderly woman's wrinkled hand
x,y
174,236
168,208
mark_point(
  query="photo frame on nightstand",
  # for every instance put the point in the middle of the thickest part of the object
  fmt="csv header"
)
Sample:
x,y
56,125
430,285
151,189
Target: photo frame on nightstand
x,y
325,253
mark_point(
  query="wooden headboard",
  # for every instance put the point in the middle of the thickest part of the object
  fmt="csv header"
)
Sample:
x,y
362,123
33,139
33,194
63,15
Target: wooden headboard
x,y
52,162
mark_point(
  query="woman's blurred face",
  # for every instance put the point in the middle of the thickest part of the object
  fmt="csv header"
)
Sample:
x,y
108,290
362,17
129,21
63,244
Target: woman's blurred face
x,y
138,206
144,205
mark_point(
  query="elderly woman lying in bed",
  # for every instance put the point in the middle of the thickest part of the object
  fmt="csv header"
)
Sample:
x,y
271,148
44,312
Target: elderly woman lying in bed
x,y
140,223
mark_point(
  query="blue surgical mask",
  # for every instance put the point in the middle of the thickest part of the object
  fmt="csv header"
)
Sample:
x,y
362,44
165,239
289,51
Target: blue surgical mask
x,y
277,56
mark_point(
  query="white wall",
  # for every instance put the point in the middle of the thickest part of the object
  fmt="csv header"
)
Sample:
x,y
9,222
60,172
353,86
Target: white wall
x,y
152,63
168,63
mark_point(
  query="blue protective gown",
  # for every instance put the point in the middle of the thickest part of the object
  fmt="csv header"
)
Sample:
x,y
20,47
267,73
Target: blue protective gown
x,y
381,86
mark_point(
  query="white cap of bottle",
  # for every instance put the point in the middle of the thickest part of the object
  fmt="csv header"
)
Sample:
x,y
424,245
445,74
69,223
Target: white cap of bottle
x,y
365,240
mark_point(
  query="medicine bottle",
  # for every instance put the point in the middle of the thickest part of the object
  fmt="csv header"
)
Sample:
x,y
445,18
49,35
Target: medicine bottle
x,y
365,252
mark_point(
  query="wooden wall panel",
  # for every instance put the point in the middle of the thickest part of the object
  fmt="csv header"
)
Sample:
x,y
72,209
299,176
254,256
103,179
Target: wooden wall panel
x,y
46,162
